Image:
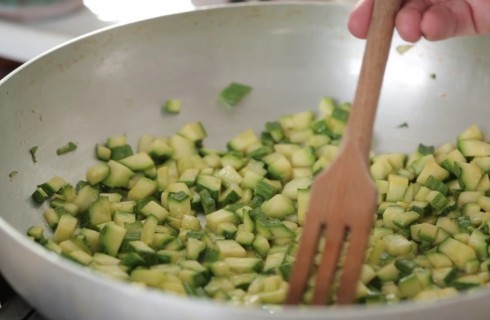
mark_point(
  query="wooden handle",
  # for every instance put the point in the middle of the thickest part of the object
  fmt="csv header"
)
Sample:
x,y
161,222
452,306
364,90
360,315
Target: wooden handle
x,y
361,120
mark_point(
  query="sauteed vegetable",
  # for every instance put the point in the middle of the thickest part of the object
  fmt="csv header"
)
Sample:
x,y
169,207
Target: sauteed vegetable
x,y
174,215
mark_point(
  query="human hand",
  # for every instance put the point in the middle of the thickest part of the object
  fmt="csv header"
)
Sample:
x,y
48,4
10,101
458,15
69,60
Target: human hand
x,y
431,19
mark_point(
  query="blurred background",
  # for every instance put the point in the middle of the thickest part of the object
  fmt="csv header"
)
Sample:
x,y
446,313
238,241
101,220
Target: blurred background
x,y
30,27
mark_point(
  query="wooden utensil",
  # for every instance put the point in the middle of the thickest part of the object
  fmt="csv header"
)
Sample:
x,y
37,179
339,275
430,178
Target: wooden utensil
x,y
343,197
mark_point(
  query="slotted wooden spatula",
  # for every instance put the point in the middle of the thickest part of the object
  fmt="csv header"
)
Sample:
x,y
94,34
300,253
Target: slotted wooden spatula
x,y
343,197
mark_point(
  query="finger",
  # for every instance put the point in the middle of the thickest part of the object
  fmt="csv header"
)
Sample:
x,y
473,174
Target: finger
x,y
448,19
409,19
481,15
359,19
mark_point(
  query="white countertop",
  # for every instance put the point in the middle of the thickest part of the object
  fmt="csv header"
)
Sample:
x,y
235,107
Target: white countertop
x,y
22,41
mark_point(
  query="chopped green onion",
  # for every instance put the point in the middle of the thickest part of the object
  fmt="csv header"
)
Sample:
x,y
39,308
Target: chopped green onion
x,y
340,114
179,196
12,174
69,147
422,149
33,151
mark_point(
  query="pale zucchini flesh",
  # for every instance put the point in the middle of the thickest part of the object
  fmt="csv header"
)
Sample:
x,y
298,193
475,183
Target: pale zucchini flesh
x,y
137,217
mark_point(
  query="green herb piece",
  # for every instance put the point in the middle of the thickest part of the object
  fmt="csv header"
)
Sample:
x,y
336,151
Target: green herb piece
x,y
33,151
422,149
195,234
434,184
178,196
173,106
121,152
401,49
69,147
320,127
12,174
340,114
234,93
403,125
432,76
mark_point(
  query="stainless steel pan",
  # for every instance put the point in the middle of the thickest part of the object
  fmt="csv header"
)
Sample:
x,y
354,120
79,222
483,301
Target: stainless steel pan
x,y
114,82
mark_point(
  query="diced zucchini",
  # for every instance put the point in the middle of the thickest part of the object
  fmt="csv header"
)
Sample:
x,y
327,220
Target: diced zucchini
x,y
292,188
111,238
189,176
279,166
266,189
36,232
397,245
100,211
388,273
138,162
479,242
231,195
172,106
102,152
230,248
474,148
148,229
144,251
469,175
65,228
143,189
119,175
468,281
155,209
273,229
179,201
193,131
279,206
431,168
213,220
80,257
243,141
211,184
397,186
181,146
391,214
472,132
244,265
196,221
234,93
153,278
459,253
194,249
244,237
121,152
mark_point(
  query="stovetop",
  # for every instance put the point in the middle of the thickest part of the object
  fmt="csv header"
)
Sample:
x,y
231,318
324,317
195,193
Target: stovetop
x,y
12,307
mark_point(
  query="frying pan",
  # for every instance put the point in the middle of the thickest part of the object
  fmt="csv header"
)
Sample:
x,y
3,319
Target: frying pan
x,y
115,80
